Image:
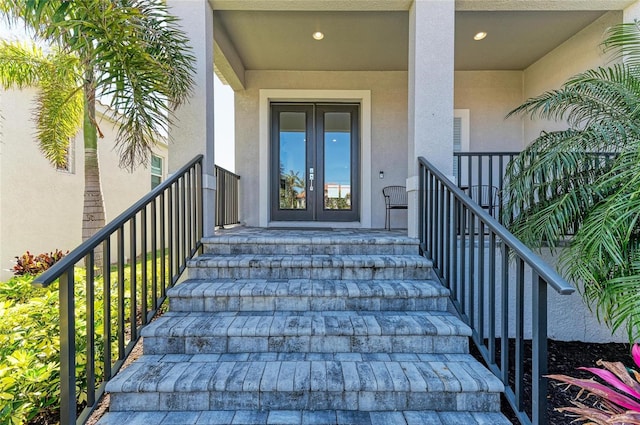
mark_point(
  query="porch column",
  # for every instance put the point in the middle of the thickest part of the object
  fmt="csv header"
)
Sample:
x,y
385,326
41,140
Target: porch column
x,y
192,133
431,53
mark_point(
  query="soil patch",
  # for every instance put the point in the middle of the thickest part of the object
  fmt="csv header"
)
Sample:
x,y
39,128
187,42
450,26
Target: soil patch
x,y
564,358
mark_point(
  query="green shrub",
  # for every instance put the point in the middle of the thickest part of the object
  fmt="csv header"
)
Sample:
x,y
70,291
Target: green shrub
x,y
30,344
29,350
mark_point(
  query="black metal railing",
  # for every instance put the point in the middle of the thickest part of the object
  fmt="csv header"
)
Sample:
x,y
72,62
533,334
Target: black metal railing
x,y
483,169
227,197
100,320
482,264
488,169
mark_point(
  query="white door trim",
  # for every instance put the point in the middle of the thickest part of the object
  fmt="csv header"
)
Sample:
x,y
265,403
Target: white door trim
x,y
363,97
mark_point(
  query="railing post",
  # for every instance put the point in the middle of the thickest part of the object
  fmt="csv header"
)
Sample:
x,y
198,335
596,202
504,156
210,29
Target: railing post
x,y
222,198
120,265
67,348
504,328
421,209
539,360
199,203
133,279
519,360
90,323
106,306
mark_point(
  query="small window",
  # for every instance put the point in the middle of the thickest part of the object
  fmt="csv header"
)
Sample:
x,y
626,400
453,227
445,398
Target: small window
x,y
460,139
69,166
156,171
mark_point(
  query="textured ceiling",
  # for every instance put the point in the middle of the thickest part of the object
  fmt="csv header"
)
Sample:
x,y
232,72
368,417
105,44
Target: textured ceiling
x,y
281,40
515,40
353,40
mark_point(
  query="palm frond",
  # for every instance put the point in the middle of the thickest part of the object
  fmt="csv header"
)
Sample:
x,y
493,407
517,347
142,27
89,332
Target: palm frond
x,y
21,65
587,177
142,63
549,186
169,47
593,96
58,109
622,41
34,14
618,301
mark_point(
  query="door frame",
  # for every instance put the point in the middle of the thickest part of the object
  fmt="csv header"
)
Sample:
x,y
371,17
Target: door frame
x,y
315,159
363,97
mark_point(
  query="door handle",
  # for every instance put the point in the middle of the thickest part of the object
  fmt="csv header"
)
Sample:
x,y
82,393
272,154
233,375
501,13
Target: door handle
x,y
311,178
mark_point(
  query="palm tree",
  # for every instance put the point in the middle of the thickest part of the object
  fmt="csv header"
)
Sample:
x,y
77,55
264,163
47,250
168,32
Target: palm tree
x,y
292,183
129,52
586,180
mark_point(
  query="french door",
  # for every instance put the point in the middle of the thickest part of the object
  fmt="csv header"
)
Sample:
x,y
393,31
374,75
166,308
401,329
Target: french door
x,y
315,162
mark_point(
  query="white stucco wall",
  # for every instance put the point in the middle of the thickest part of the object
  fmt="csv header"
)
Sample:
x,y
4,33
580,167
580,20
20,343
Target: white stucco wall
x,y
569,318
489,96
632,12
40,207
388,130
579,53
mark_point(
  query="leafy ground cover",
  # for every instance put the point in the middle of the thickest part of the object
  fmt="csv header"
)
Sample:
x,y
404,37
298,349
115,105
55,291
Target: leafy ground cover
x,y
29,343
29,350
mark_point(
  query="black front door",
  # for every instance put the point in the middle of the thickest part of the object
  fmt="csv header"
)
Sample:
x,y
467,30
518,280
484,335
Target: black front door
x,y
315,162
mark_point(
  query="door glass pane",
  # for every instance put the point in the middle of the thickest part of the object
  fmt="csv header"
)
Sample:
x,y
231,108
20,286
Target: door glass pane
x,y
337,161
293,160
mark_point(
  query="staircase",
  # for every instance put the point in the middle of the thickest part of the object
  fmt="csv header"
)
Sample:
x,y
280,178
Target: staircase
x,y
306,327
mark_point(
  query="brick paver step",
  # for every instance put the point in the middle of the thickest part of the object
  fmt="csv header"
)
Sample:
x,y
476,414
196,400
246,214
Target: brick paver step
x,y
297,417
342,331
307,295
307,327
251,241
358,267
179,382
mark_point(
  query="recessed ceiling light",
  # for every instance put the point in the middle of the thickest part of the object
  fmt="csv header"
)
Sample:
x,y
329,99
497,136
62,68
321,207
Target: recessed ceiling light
x,y
318,35
479,36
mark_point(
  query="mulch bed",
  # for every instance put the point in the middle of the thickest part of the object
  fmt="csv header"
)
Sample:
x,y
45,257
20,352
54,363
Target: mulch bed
x,y
564,358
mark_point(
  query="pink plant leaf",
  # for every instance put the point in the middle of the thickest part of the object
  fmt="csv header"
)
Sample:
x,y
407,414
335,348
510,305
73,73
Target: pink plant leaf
x,y
582,412
635,353
627,418
613,380
623,373
600,390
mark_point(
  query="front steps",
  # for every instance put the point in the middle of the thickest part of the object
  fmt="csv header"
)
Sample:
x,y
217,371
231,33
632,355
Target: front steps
x,y
306,332
316,417
329,328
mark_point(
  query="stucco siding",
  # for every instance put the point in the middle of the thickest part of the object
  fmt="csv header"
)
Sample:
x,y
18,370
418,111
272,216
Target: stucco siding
x,y
489,96
388,130
579,53
36,200
41,207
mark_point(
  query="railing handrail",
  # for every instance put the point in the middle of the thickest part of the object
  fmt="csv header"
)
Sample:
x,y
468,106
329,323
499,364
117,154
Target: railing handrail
x,y
487,153
496,153
228,172
49,276
557,282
